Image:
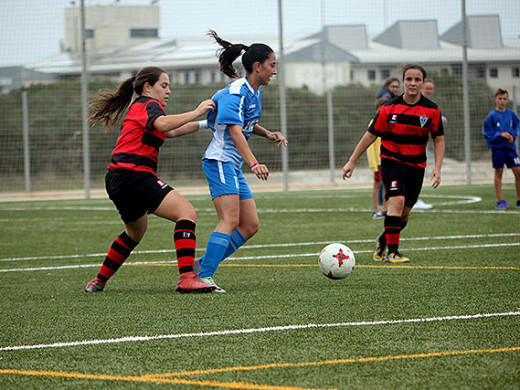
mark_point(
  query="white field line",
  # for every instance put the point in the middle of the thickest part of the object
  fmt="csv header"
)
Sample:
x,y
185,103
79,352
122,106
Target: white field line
x,y
288,245
279,256
280,245
211,211
256,330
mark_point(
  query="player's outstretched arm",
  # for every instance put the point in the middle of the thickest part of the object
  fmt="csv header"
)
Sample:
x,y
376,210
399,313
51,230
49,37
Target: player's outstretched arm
x,y
166,123
273,136
362,145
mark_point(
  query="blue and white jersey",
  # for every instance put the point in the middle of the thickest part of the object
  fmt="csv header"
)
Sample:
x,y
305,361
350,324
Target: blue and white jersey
x,y
237,104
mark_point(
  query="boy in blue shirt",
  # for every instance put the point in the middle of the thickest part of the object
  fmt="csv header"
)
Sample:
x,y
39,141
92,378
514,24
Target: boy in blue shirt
x,y
501,130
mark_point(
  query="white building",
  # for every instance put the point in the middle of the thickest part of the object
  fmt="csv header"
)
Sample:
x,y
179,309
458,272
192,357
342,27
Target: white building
x,y
119,41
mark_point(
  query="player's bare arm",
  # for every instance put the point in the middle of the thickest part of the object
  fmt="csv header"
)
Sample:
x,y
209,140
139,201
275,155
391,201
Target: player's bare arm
x,y
260,170
438,151
275,136
361,147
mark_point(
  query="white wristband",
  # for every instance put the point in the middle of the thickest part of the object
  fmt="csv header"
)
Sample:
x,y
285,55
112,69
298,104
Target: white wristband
x,y
203,124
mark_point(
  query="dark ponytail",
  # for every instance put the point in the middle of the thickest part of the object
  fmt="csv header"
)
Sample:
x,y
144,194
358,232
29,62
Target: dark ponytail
x,y
110,106
257,52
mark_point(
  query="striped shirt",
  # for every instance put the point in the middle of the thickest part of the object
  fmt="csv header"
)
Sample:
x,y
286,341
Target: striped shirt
x,y
404,129
137,147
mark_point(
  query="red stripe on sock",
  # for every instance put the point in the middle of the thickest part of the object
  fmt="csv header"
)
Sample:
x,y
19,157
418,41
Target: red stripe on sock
x,y
392,238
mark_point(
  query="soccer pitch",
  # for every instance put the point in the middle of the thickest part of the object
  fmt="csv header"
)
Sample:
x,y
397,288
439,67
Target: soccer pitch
x,y
448,319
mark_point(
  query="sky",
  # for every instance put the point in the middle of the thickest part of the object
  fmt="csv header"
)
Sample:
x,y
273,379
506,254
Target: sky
x,y
31,30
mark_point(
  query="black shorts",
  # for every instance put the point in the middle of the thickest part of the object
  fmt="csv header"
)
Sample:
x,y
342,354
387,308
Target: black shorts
x,y
402,179
135,193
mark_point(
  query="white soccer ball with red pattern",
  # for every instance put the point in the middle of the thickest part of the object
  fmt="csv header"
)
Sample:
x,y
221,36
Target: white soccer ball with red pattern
x,y
336,261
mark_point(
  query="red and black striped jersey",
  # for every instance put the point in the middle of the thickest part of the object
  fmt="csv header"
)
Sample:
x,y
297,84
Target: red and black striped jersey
x,y
404,129
137,147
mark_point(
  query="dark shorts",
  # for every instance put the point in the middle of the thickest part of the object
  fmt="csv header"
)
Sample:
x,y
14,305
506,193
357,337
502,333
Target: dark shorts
x,y
501,156
402,179
135,193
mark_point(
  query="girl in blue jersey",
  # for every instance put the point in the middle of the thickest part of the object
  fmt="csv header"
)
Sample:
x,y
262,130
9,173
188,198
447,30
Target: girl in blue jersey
x,y
236,117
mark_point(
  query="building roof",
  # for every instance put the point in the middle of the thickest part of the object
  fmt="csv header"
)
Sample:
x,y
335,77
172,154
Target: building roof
x,y
405,41
483,32
411,35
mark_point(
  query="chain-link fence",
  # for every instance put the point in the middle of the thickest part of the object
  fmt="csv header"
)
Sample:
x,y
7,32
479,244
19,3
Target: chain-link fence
x,y
337,55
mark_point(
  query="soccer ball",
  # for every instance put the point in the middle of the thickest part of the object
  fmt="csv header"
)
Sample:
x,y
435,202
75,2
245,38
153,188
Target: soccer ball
x,y
336,261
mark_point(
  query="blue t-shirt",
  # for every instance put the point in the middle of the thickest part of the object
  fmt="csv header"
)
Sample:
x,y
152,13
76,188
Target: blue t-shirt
x,y
498,122
237,104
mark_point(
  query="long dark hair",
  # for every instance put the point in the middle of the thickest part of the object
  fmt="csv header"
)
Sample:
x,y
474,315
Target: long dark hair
x,y
110,106
257,52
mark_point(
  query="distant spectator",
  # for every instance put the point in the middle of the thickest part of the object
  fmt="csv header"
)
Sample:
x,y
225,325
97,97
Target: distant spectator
x,y
379,203
390,89
501,130
428,90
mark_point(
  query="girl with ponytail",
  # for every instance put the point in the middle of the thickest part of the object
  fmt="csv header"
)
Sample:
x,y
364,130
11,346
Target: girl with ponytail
x,y
238,110
131,181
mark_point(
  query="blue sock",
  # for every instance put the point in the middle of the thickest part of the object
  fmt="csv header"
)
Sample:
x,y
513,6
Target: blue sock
x,y
217,245
236,241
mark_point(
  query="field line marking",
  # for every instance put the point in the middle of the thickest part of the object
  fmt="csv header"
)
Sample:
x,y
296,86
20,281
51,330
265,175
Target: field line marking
x,y
237,258
146,379
167,377
254,330
357,266
332,362
260,246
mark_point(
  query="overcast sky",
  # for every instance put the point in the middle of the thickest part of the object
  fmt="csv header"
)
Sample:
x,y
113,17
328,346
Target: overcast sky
x,y
32,29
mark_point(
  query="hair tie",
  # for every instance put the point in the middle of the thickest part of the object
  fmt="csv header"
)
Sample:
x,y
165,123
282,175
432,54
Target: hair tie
x,y
133,79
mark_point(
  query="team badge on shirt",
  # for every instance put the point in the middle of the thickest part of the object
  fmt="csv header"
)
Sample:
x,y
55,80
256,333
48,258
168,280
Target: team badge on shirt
x,y
423,120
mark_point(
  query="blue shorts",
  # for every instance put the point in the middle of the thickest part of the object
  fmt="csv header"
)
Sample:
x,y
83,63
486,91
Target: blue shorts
x,y
501,156
224,179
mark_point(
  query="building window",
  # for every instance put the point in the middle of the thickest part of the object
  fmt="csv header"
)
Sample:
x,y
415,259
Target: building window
x,y
213,77
186,78
144,33
457,69
352,76
493,72
385,73
444,71
481,73
197,77
515,71
89,33
371,74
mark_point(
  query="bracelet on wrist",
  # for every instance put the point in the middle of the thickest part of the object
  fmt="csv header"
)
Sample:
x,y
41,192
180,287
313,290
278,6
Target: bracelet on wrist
x,y
253,164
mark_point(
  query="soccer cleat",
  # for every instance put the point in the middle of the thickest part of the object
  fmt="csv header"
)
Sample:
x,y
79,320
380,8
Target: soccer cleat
x,y
502,205
189,282
396,257
95,285
378,214
210,282
379,254
518,204
420,205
